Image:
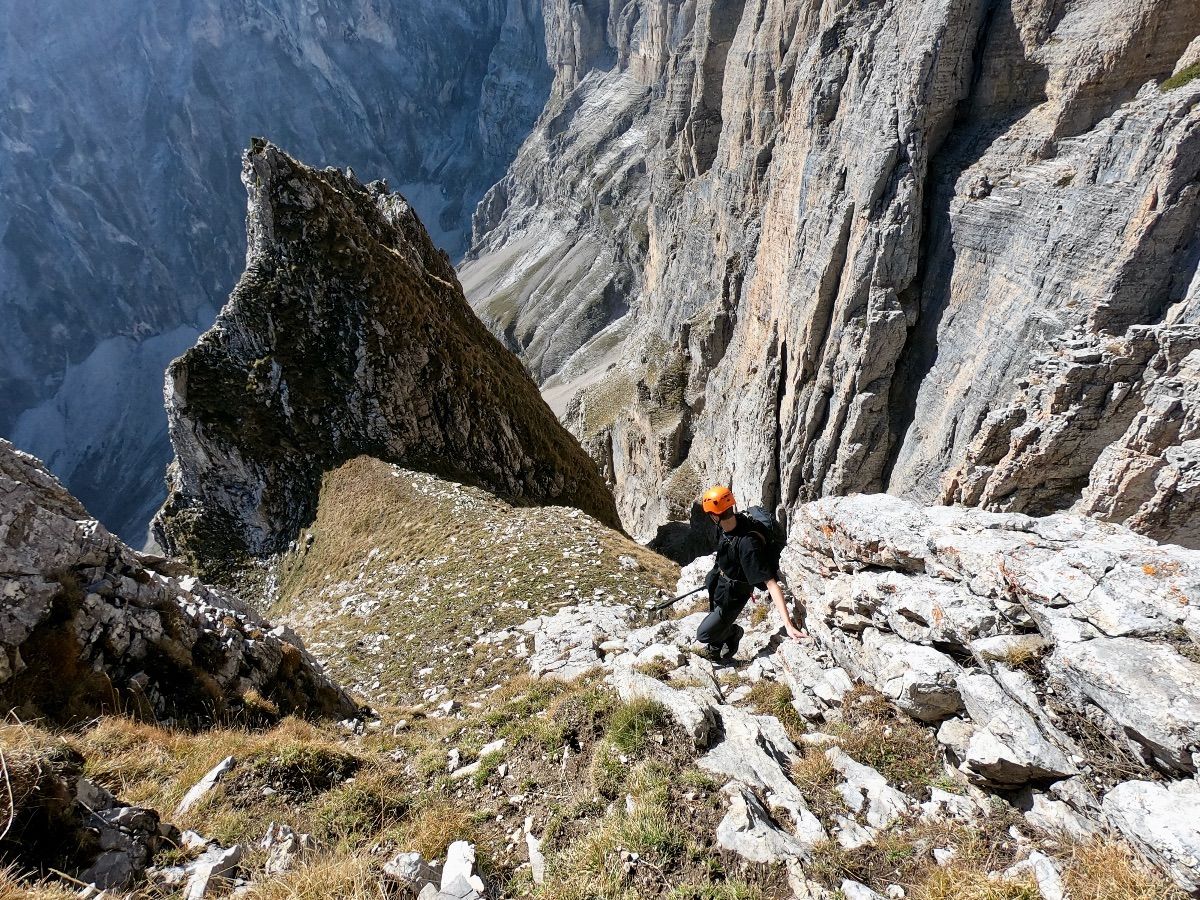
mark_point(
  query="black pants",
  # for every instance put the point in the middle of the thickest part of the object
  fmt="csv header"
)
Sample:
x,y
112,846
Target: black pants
x,y
715,628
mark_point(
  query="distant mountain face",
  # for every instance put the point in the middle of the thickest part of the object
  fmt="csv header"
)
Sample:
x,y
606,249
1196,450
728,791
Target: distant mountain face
x,y
121,223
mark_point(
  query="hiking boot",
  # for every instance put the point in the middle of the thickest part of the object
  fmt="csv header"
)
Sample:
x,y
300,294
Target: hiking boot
x,y
711,652
734,641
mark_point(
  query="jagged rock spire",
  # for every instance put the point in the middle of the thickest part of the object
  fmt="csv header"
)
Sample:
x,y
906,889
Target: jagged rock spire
x,y
348,334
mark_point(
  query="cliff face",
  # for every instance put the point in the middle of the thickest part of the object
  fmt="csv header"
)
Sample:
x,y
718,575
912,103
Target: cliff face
x,y
813,249
347,335
120,223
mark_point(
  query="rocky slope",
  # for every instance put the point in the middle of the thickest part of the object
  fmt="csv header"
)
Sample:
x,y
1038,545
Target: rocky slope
x,y
988,703
814,250
120,219
90,626
1056,660
347,334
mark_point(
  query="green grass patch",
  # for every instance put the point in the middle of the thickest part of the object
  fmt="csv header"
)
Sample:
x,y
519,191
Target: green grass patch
x,y
1183,76
632,724
775,699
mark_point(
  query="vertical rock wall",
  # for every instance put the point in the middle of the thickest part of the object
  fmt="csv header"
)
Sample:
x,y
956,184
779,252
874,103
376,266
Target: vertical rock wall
x,y
809,248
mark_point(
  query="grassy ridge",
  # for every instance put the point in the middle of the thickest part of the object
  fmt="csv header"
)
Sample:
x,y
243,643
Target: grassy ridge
x,y
402,573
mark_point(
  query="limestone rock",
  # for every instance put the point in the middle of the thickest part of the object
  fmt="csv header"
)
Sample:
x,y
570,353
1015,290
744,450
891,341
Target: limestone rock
x,y
1007,748
284,847
211,869
127,837
867,792
201,788
458,872
853,890
1164,822
1046,873
756,752
943,805
164,647
1151,691
748,830
922,681
347,335
411,872
566,644
1121,415
1057,817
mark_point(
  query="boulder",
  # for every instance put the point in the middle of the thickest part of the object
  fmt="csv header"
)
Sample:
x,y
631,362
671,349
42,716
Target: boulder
x,y
1163,821
815,684
943,805
566,644
284,846
853,890
458,871
1007,749
748,830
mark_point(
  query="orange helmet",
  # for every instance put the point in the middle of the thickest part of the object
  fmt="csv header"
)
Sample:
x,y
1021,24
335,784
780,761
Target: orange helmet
x,y
718,499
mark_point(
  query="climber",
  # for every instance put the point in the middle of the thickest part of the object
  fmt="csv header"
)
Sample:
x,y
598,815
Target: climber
x,y
745,561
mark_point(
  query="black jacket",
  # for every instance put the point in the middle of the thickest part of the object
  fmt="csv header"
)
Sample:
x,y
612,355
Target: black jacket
x,y
741,563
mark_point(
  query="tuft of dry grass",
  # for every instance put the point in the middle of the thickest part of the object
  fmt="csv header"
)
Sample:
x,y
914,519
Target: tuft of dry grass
x,y
873,732
903,855
817,779
1105,870
958,881
773,698
1021,657
345,876
14,887
435,826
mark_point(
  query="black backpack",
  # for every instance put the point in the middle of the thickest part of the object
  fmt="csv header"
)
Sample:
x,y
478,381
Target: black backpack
x,y
763,524
773,541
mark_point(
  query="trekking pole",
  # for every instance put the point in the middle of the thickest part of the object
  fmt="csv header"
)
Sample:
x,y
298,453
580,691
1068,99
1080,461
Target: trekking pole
x,y
675,600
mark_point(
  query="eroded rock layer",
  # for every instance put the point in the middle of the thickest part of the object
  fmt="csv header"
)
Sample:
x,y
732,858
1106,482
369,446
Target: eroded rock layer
x,y
1055,653
348,334
818,248
90,626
